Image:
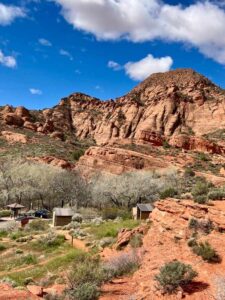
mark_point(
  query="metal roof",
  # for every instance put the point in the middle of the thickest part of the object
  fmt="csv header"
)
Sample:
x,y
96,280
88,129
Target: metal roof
x,y
145,207
15,205
63,212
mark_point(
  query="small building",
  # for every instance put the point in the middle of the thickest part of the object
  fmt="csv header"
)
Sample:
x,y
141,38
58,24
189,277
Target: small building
x,y
62,216
15,208
142,211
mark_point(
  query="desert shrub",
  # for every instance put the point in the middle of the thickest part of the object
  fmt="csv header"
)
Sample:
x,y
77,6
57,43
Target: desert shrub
x,y
122,264
38,225
28,259
169,192
3,233
136,241
205,226
192,242
189,172
77,154
203,157
2,247
86,270
173,275
8,281
17,234
201,199
217,194
85,291
193,224
200,188
19,251
5,213
205,250
166,145
49,241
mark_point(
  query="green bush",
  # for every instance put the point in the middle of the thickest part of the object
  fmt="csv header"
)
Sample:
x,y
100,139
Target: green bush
x,y
200,188
77,154
5,213
3,233
38,225
2,247
86,270
192,242
205,250
29,259
86,276
173,275
203,157
206,226
189,172
216,194
201,199
193,224
17,234
86,291
166,145
168,193
136,241
49,241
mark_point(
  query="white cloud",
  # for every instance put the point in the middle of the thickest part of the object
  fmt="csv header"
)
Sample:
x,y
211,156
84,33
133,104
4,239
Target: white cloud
x,y
66,53
201,25
114,65
7,61
8,13
35,91
45,42
143,68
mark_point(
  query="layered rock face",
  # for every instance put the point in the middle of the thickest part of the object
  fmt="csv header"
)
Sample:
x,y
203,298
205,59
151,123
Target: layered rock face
x,y
164,105
118,161
167,240
179,107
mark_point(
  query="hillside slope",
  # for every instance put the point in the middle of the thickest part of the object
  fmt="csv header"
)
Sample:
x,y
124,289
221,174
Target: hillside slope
x,y
181,108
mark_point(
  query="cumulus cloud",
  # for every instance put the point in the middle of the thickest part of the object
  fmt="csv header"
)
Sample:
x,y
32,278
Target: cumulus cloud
x,y
201,25
35,91
8,13
45,42
139,70
66,53
145,67
7,61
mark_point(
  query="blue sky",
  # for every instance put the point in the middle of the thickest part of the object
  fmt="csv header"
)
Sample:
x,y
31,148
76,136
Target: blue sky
x,y
50,49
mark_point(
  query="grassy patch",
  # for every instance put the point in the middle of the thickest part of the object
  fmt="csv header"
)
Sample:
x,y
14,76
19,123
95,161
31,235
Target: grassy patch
x,y
56,264
111,229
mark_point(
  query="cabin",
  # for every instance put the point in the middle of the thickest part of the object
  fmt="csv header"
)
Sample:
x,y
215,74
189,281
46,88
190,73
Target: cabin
x,y
142,211
62,216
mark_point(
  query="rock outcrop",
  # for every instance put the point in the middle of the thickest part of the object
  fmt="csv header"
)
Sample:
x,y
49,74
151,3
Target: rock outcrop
x,y
117,160
167,240
180,108
165,105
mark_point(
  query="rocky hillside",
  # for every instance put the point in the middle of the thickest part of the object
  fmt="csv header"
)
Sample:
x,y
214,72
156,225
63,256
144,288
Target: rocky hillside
x,y
180,108
170,238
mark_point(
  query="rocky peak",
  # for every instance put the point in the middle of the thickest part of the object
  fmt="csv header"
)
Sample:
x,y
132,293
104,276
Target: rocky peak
x,y
179,77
